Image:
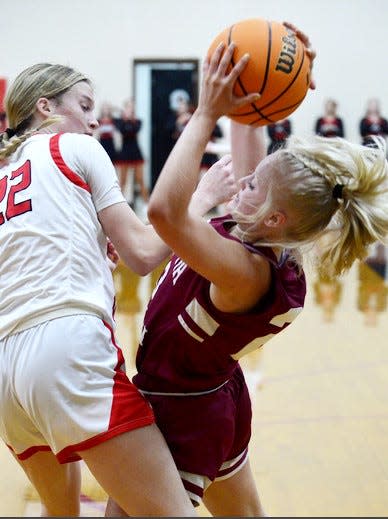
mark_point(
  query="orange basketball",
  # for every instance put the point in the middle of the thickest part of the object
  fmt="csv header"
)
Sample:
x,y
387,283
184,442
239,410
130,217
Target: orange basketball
x,y
278,68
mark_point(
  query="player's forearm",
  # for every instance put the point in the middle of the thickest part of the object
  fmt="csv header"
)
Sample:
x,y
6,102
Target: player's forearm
x,y
248,148
199,204
149,253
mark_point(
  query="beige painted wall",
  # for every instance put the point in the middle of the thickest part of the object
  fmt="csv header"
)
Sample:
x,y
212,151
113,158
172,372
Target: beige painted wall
x,y
102,37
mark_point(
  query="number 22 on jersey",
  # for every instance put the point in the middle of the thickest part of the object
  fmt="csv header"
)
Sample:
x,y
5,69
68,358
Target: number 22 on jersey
x,y
10,189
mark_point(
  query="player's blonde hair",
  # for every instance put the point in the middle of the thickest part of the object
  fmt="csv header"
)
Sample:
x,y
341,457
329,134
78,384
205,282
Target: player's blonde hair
x,y
40,80
328,184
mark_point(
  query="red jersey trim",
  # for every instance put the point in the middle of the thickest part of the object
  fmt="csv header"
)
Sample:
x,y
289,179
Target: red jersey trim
x,y
58,159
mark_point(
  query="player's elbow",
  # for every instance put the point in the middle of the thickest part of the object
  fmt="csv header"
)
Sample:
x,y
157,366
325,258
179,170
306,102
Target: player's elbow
x,y
158,214
167,221
141,264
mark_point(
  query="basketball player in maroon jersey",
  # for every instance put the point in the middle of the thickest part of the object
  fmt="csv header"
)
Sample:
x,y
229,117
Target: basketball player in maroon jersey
x,y
236,281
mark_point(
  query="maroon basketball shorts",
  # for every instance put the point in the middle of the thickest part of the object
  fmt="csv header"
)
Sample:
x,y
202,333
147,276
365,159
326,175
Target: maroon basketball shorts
x,y
208,435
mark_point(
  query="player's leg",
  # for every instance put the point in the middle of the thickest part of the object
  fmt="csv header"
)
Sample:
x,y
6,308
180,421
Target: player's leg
x,y
58,485
127,184
235,496
139,179
123,176
137,470
113,509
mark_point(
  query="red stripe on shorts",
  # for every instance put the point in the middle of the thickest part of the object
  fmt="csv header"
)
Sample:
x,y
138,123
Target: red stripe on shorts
x,y
128,403
30,451
130,410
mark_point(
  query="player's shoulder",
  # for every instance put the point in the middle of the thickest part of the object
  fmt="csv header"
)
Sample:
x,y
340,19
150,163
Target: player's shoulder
x,y
78,143
80,138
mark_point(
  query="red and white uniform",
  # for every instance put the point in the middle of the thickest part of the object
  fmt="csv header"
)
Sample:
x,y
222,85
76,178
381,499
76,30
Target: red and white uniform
x,y
53,258
53,274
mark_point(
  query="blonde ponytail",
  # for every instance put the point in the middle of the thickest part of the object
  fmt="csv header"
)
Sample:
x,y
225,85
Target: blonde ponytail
x,y
355,190
328,184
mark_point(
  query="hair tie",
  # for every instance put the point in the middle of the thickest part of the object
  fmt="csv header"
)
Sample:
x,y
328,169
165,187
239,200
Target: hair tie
x,y
337,192
10,132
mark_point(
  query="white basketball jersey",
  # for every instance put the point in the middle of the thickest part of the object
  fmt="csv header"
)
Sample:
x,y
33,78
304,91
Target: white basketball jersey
x,y
52,246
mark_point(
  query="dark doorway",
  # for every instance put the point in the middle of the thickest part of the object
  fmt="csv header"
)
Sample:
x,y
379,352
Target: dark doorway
x,y
163,83
155,83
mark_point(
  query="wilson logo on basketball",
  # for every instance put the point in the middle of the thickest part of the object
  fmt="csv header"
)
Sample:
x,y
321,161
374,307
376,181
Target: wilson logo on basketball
x,y
287,54
278,69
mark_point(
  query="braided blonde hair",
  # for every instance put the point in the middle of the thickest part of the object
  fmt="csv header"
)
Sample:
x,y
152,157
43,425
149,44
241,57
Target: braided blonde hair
x,y
40,80
330,184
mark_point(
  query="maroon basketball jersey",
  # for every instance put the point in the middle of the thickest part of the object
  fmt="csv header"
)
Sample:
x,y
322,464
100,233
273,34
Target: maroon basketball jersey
x,y
189,346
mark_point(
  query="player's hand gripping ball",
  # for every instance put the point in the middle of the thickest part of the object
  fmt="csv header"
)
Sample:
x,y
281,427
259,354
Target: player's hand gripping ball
x,y
279,69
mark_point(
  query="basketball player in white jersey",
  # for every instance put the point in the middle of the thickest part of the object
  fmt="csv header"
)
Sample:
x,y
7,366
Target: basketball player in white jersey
x,y
64,393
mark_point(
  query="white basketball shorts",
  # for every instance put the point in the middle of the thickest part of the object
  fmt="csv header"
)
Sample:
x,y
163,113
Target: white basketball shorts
x,y
63,388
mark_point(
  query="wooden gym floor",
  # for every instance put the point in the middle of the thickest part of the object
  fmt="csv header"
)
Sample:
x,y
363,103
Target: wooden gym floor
x,y
320,399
